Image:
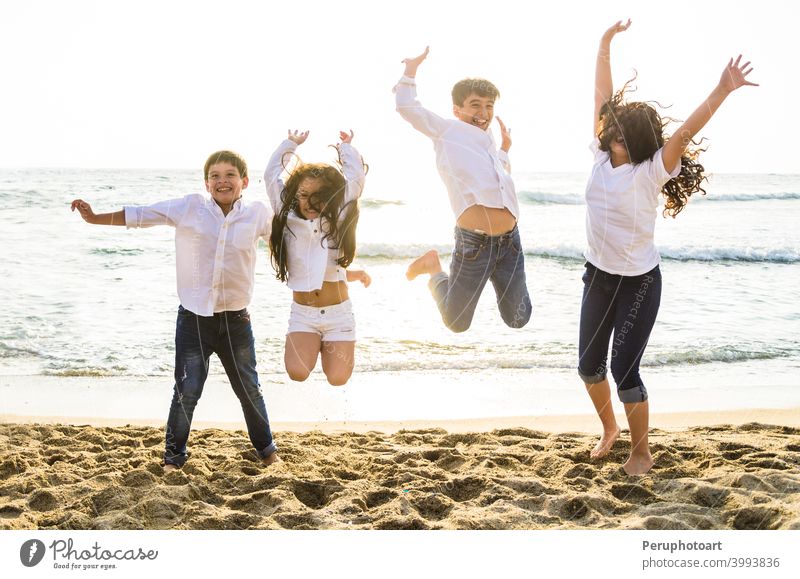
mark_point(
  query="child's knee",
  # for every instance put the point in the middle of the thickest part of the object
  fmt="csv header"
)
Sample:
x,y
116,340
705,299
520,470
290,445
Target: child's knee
x,y
297,373
630,387
338,378
458,326
518,320
519,316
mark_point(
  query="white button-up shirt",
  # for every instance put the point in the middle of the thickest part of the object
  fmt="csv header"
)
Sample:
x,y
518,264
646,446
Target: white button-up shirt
x,y
474,171
310,260
215,253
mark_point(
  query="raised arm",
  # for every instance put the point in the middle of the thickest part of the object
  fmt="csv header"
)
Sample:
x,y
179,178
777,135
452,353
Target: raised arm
x,y
603,85
276,166
733,77
505,134
89,216
409,107
352,166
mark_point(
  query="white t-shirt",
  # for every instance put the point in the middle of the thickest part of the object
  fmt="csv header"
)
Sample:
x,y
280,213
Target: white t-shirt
x,y
621,210
474,171
215,253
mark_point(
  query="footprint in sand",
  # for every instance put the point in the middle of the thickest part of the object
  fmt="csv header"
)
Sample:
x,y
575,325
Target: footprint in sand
x,y
633,493
316,494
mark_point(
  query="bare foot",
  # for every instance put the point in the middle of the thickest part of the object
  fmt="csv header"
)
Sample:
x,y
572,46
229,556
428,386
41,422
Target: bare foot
x,y
638,464
604,446
170,468
271,459
427,263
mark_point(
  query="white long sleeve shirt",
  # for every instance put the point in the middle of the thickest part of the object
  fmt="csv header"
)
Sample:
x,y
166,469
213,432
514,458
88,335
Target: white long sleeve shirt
x,y
215,253
621,210
310,260
474,171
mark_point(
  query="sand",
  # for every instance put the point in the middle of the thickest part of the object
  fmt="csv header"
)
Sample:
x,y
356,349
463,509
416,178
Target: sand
x,y
90,477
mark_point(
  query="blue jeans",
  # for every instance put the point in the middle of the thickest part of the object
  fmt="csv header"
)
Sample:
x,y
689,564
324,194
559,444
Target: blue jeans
x,y
478,258
626,306
197,337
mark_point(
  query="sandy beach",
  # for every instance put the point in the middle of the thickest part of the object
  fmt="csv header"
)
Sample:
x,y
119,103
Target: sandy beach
x,y
495,474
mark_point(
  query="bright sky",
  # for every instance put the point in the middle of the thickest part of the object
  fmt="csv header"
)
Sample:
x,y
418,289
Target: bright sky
x,y
163,84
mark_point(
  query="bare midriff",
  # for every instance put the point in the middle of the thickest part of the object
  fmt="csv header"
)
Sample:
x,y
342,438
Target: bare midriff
x,y
490,220
330,294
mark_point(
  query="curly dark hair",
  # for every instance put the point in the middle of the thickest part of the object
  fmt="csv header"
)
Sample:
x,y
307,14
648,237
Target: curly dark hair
x,y
339,219
642,129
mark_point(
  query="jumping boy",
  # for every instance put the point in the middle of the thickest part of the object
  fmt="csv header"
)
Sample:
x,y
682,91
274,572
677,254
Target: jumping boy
x,y
216,240
483,199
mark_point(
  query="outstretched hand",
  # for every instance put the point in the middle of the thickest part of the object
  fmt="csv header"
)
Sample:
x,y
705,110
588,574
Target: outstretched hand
x,y
84,209
734,75
505,133
346,137
359,275
298,137
413,63
616,28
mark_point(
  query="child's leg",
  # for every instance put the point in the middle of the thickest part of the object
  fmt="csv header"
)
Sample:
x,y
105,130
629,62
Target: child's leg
x,y
192,351
338,359
596,325
300,356
640,460
303,341
236,351
338,327
508,280
637,308
457,295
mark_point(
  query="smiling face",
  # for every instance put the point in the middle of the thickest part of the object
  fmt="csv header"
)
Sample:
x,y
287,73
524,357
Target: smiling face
x,y
307,204
225,184
476,110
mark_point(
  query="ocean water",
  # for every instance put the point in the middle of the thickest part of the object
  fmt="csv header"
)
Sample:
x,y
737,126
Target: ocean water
x,y
82,300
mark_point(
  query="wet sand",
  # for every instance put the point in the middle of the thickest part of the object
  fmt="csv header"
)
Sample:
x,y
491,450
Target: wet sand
x,y
744,476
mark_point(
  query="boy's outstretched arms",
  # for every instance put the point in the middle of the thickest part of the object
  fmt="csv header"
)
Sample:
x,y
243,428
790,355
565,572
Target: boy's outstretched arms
x,y
412,64
733,76
89,216
505,134
603,85
409,107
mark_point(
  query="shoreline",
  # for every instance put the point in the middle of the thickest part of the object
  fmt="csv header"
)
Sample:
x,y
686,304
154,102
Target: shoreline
x,y
585,423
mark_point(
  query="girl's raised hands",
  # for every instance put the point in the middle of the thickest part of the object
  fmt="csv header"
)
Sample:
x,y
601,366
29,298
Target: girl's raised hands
x,y
346,137
617,27
298,137
734,75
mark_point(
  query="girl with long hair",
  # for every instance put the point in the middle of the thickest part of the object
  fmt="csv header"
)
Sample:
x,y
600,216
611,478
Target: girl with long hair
x,y
313,242
634,163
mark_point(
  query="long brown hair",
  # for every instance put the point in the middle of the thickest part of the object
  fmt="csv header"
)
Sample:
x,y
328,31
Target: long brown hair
x,y
642,128
339,219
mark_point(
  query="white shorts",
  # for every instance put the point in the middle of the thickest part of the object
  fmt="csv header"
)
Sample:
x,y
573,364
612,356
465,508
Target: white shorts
x,y
333,323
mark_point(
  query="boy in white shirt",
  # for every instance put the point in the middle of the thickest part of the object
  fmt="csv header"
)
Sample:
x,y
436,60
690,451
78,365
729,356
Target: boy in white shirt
x,y
216,239
483,199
